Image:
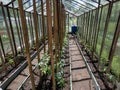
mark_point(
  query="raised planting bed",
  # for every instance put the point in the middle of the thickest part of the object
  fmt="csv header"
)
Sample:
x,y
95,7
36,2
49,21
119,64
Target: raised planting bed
x,y
14,72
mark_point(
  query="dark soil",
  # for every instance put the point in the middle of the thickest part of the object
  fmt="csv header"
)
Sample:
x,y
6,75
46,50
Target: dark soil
x,y
66,69
9,69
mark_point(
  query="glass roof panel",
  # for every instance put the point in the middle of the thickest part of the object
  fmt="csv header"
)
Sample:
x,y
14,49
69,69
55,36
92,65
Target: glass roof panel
x,y
103,2
5,1
75,6
81,6
78,6
71,7
86,3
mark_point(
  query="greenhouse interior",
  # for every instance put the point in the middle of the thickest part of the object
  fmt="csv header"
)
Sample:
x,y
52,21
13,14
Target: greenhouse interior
x,y
59,44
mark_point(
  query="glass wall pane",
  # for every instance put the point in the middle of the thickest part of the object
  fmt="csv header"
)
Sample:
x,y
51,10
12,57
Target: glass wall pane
x,y
4,34
102,25
110,32
116,59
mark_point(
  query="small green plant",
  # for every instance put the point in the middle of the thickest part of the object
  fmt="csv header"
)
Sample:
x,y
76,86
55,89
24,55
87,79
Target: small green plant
x,y
11,61
65,41
43,64
82,42
60,80
46,70
59,75
103,60
111,77
104,68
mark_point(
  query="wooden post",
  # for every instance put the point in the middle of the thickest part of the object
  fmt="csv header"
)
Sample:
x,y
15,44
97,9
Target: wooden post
x,y
60,26
31,33
21,33
2,59
31,23
36,29
2,47
43,25
105,30
114,43
12,32
55,19
88,26
98,27
58,12
91,24
17,27
2,53
68,22
49,20
24,28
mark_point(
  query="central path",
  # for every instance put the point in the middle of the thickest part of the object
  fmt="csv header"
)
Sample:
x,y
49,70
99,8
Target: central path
x,y
80,77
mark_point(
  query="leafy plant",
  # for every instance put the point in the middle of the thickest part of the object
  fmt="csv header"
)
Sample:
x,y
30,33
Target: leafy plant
x,y
11,61
115,66
111,77
59,75
46,70
60,80
104,68
65,43
88,47
43,64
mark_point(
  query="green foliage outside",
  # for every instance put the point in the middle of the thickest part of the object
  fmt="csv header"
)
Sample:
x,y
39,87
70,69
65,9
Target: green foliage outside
x,y
116,66
108,40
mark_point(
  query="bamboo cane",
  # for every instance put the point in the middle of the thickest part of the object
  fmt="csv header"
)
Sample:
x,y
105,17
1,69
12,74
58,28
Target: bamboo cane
x,y
24,28
49,20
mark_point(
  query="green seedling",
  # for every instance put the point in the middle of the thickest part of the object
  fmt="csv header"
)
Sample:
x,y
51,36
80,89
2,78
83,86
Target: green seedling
x,y
11,62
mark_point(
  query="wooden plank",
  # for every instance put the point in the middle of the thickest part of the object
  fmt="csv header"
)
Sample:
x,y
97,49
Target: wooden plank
x,y
36,29
49,24
43,24
24,28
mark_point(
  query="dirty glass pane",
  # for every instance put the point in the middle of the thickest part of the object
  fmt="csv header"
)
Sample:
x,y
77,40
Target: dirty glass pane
x,y
5,1
90,19
4,34
40,27
102,25
15,31
110,31
116,59
28,27
91,28
86,3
